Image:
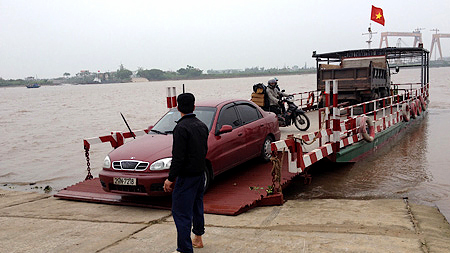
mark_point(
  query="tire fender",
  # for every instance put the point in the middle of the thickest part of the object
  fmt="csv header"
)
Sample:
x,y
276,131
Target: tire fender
x,y
363,123
419,107
413,111
406,112
424,104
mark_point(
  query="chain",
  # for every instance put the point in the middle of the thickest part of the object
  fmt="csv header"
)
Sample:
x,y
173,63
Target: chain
x,y
316,136
89,175
276,172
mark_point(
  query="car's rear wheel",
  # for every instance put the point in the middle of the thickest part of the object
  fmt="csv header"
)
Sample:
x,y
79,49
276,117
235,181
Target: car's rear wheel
x,y
208,178
266,151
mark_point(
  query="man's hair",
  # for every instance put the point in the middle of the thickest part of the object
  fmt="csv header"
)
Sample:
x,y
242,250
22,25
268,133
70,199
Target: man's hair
x,y
186,103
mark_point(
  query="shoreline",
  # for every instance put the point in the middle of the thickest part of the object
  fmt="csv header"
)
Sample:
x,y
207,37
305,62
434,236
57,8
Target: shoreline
x,y
204,77
41,223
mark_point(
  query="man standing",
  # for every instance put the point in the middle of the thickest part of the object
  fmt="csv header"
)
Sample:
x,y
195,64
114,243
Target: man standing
x,y
189,149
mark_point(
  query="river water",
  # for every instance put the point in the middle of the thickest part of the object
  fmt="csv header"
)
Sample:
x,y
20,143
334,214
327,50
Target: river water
x,y
41,142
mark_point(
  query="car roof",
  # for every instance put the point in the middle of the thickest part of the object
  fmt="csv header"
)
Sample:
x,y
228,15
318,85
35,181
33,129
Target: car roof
x,y
217,102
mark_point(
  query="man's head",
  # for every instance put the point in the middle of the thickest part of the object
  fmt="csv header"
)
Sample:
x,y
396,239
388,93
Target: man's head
x,y
272,83
186,103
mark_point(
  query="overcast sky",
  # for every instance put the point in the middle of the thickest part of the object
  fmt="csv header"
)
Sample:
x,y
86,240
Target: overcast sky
x,y
47,38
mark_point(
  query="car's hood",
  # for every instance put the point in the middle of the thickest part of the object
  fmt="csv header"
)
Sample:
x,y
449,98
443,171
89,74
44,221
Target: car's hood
x,y
149,148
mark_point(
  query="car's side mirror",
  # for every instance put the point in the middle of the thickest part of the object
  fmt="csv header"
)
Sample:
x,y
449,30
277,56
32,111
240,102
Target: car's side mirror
x,y
283,90
149,128
224,129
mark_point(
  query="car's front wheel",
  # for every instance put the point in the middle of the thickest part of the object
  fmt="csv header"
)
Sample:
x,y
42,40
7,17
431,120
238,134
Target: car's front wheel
x,y
266,151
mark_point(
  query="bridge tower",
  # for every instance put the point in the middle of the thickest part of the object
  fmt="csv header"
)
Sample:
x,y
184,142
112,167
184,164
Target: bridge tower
x,y
416,34
436,41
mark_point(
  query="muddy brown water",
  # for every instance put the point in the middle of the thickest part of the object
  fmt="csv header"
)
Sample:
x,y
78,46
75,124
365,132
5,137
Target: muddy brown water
x,y
42,132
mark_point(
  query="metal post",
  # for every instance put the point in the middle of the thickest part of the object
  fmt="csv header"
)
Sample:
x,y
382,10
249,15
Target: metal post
x,y
174,97
320,124
327,104
422,77
375,110
169,98
301,100
336,120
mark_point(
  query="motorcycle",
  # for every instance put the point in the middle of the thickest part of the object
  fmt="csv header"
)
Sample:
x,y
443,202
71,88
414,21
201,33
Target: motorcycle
x,y
292,114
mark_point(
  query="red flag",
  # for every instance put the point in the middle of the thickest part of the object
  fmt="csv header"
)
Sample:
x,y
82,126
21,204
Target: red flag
x,y
377,15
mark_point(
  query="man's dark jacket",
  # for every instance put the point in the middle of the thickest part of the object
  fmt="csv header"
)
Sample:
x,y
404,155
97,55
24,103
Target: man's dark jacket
x,y
190,145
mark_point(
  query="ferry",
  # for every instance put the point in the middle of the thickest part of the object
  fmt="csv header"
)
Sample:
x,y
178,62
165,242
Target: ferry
x,y
354,110
359,108
34,85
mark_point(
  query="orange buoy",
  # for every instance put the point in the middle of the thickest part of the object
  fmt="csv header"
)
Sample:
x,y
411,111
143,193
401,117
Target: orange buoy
x,y
310,100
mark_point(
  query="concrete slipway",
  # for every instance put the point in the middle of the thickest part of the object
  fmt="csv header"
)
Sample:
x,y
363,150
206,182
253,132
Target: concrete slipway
x,y
33,222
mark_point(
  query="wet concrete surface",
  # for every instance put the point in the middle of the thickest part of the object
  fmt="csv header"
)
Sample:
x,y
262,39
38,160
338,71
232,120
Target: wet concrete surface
x,y
33,222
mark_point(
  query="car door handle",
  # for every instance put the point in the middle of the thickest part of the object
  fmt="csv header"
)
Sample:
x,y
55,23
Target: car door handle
x,y
261,125
239,134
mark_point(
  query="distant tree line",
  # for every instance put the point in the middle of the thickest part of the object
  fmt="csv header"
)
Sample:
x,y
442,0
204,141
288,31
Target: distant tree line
x,y
121,75
125,75
24,82
158,75
191,72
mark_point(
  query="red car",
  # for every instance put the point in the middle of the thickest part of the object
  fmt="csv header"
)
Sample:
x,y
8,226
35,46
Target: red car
x,y
239,131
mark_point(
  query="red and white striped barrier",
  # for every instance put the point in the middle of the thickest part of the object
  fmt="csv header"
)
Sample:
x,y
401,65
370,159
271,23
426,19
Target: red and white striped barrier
x,y
116,139
316,135
350,140
316,155
171,97
297,161
342,133
294,153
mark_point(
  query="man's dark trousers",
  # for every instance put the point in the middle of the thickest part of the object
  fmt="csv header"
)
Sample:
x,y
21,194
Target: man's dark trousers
x,y
187,210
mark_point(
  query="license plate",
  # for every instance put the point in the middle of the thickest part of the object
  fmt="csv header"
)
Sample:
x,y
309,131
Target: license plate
x,y
124,181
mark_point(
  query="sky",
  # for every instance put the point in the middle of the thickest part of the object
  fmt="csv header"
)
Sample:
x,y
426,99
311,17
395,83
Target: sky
x,y
45,39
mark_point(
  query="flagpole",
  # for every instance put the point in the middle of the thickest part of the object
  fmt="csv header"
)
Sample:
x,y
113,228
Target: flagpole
x,y
370,34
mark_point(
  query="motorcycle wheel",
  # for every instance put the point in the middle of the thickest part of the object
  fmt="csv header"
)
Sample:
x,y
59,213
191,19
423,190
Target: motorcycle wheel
x,y
301,121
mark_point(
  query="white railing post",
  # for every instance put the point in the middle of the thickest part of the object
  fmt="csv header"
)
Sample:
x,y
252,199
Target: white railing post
x,y
336,120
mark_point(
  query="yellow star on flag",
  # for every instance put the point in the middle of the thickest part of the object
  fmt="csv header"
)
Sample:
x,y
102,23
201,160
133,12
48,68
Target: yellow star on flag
x,y
379,15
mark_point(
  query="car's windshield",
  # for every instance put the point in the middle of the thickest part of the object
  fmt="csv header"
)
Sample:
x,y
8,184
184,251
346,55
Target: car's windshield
x,y
167,123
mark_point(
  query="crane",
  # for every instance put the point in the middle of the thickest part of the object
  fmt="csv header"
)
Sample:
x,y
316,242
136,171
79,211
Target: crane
x,y
416,34
436,40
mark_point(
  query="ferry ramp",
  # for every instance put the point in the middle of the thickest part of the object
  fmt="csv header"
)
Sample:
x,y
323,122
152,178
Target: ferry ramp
x,y
233,192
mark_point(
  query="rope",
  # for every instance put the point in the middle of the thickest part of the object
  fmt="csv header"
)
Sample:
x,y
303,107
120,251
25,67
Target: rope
x,y
276,171
316,136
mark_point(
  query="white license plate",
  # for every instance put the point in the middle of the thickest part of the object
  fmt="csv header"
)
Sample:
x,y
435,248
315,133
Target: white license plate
x,y
124,181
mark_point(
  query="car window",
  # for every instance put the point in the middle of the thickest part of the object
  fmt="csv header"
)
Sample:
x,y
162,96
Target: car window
x,y
168,122
228,116
248,113
206,115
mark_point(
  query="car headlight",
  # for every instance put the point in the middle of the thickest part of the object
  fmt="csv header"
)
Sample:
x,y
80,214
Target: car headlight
x,y
162,164
107,162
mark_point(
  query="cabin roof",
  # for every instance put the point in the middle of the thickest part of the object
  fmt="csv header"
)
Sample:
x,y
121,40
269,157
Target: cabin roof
x,y
389,52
